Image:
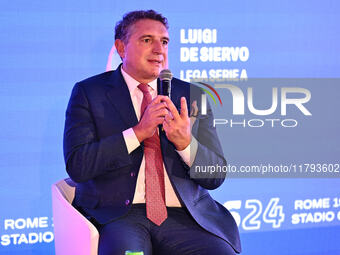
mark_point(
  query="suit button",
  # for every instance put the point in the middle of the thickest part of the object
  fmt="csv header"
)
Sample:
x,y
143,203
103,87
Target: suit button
x,y
132,174
127,202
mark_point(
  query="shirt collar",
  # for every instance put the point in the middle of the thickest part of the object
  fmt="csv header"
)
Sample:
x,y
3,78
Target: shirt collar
x,y
132,83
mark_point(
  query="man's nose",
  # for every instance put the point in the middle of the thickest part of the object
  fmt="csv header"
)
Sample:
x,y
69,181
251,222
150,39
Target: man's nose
x,y
157,47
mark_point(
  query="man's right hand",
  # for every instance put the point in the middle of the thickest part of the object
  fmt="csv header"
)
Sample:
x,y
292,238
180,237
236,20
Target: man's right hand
x,y
152,117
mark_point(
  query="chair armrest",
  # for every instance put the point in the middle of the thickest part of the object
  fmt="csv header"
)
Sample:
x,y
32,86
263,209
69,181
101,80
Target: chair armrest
x,y
74,234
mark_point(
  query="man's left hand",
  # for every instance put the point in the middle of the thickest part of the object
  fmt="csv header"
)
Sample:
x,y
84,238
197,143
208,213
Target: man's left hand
x,y
177,126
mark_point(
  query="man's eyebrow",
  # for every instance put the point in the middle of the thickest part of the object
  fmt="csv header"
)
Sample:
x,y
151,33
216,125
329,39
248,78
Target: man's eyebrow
x,y
145,36
166,38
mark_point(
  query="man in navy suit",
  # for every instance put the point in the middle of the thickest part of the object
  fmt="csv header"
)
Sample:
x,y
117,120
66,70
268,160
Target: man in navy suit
x,y
121,160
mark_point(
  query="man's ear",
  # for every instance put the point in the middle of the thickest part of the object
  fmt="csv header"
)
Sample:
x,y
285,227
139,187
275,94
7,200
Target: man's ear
x,y
120,47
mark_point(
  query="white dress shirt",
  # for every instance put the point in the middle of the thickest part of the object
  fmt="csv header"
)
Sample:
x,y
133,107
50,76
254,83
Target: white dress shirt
x,y
132,143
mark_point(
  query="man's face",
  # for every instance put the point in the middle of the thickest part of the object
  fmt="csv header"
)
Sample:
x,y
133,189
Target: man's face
x,y
146,52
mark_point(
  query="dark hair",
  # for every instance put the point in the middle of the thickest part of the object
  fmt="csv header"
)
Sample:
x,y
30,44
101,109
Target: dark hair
x,y
122,27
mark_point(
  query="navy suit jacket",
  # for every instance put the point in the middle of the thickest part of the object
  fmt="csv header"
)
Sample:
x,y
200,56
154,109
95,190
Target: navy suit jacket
x,y
96,157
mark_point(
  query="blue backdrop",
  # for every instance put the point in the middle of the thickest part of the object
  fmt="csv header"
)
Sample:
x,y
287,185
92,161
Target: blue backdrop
x,y
47,46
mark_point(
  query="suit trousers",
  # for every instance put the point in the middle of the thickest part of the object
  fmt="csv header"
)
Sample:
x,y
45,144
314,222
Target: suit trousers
x,y
179,234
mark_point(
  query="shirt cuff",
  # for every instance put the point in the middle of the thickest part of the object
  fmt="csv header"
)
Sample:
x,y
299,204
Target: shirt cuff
x,y
189,153
131,140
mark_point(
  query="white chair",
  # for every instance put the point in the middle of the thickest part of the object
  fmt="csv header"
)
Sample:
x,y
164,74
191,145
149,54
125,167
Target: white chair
x,y
73,233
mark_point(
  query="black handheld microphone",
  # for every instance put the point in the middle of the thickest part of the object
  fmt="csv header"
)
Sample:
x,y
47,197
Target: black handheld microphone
x,y
165,77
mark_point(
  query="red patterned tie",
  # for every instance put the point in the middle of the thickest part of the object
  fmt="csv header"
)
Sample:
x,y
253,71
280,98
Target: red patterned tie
x,y
154,172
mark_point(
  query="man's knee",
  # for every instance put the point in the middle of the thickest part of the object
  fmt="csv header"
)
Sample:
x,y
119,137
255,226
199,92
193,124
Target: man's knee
x,y
116,239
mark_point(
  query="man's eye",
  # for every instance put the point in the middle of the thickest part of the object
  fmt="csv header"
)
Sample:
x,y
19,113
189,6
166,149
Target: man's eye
x,y
165,42
146,40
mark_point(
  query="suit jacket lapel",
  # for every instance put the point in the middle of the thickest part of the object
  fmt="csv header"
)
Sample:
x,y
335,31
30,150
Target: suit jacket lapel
x,y
120,98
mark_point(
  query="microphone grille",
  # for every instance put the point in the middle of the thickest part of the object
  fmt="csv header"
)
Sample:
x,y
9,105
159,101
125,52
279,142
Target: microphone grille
x,y
165,75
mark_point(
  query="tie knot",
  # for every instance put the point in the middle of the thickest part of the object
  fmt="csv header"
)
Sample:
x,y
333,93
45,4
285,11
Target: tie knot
x,y
144,88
